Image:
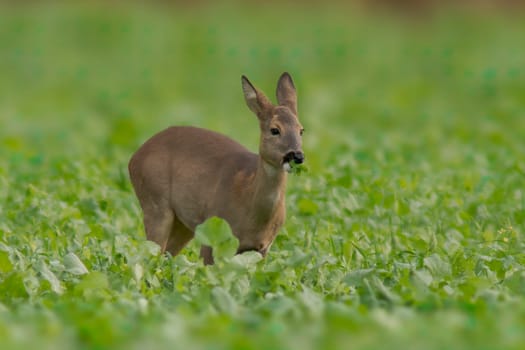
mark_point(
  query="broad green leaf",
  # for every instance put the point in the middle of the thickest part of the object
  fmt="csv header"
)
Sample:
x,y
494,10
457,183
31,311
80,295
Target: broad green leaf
x,y
355,278
12,286
73,264
92,283
48,275
216,232
384,291
150,248
516,282
424,277
313,301
298,169
437,265
138,272
223,301
299,258
248,258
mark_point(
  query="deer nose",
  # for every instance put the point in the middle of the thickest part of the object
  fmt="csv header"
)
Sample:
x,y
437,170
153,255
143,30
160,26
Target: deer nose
x,y
298,157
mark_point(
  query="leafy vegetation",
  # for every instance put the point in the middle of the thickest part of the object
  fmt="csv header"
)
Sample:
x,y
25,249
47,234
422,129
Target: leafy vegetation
x,y
407,230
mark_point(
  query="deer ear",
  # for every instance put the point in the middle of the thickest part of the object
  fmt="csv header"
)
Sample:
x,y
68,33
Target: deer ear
x,y
286,95
254,98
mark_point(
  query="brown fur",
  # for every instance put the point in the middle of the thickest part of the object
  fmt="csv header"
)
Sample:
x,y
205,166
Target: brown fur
x,y
185,175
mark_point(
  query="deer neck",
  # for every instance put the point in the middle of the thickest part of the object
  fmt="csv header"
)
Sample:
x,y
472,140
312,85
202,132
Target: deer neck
x,y
269,189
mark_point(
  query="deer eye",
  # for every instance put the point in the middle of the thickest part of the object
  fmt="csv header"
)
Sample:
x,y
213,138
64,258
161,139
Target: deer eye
x,y
275,131
301,132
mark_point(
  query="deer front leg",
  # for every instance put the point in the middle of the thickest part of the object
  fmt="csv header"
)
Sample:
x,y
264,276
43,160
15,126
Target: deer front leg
x,y
207,254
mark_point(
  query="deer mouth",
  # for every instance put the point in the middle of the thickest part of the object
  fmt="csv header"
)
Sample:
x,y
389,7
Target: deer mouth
x,y
296,157
286,162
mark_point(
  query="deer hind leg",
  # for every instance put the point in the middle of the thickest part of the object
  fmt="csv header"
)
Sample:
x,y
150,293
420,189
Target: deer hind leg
x,y
180,236
158,223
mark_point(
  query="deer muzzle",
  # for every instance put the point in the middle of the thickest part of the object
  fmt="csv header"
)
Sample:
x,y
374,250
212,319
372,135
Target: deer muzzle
x,y
296,156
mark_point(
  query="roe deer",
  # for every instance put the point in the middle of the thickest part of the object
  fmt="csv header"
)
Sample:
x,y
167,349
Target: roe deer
x,y
185,175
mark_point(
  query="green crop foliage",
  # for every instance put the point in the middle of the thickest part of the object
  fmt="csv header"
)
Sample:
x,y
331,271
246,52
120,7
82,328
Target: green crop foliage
x,y
407,230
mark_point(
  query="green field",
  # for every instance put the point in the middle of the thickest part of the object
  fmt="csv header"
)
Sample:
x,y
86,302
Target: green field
x,y
406,232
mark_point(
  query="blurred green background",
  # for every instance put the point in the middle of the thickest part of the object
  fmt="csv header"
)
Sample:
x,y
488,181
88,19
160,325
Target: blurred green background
x,y
95,76
407,231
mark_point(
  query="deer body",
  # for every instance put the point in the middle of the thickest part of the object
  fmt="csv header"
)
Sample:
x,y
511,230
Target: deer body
x,y
185,175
